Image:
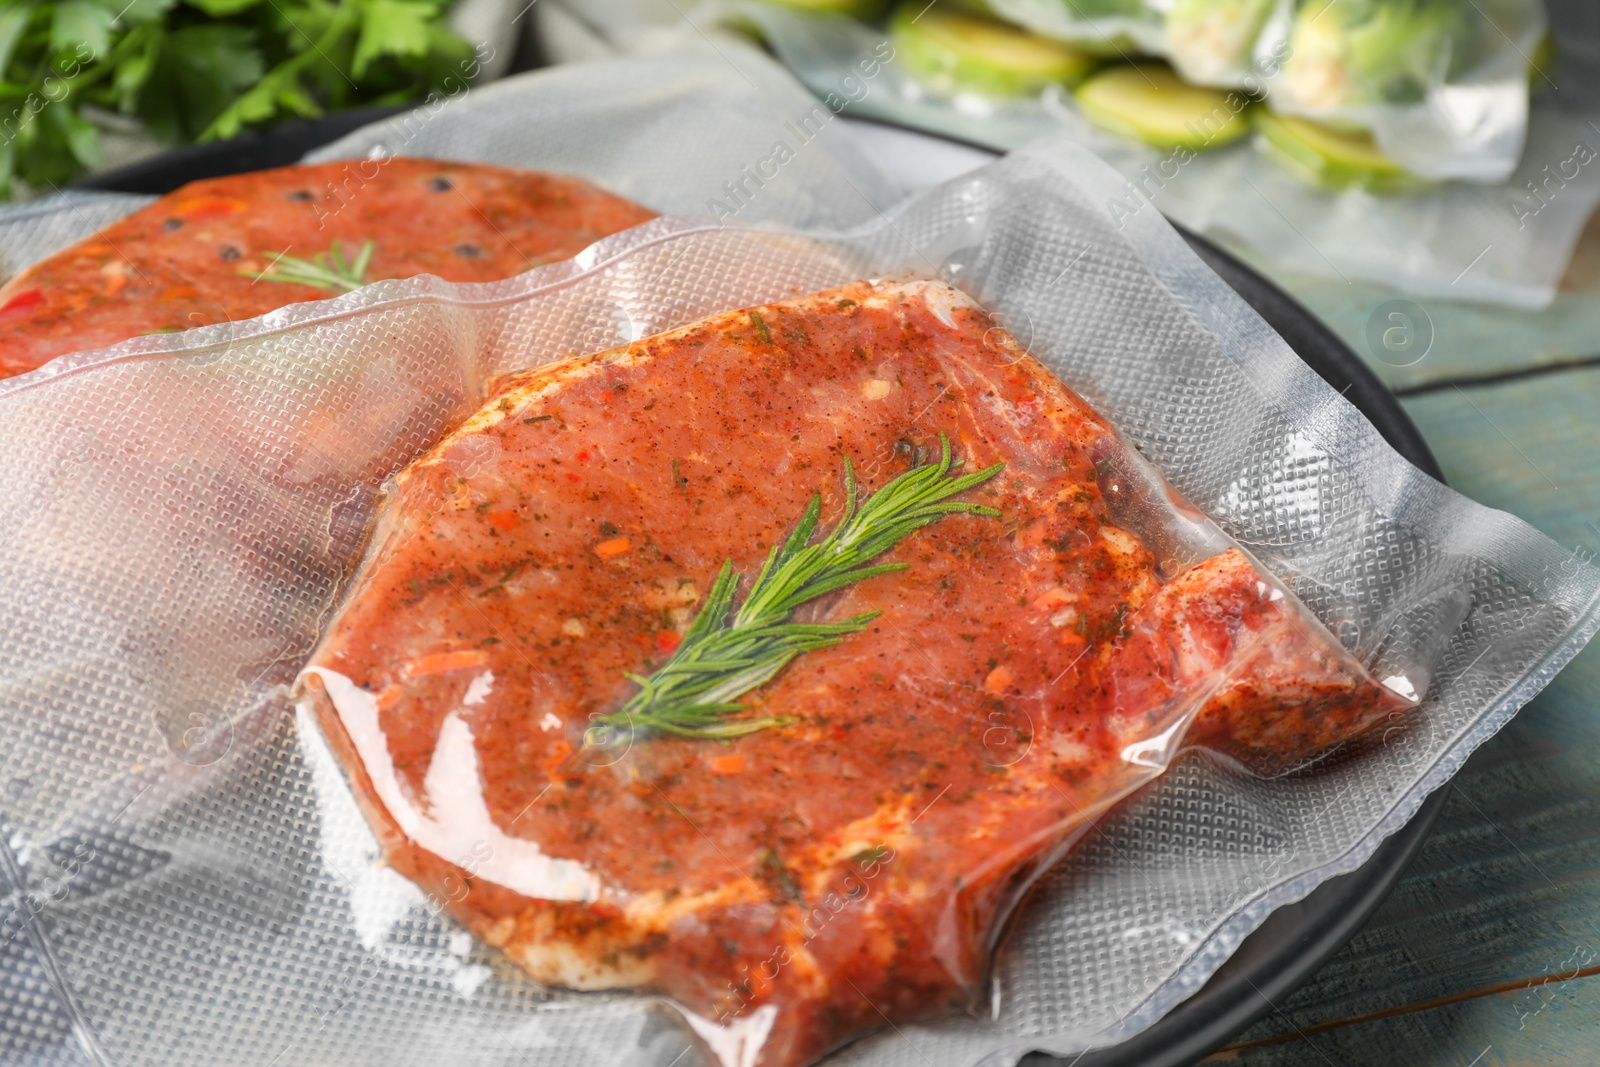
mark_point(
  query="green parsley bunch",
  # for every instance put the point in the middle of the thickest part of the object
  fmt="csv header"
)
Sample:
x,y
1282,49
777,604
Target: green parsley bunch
x,y
202,69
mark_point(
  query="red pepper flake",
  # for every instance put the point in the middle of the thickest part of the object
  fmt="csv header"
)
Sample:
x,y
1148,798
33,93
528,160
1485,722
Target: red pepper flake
x,y
23,301
999,680
208,207
440,662
668,640
760,984
732,763
613,548
504,520
558,755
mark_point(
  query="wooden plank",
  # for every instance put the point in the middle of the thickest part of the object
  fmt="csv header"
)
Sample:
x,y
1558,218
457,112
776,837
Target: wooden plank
x,y
1469,340
1490,946
1553,1024
1531,447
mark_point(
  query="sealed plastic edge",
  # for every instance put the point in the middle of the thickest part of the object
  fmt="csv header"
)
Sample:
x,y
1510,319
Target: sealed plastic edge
x,y
1220,945
387,293
1284,382
1337,426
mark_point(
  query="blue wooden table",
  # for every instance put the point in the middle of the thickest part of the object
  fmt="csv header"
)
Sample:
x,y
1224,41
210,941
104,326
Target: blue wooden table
x,y
1488,953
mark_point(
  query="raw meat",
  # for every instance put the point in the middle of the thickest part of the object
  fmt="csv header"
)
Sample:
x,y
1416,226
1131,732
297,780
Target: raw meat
x,y
804,883
189,259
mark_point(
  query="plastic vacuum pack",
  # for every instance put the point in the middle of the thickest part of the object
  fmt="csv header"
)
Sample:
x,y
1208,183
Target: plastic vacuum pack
x,y
188,875
732,772
679,132
1505,243
1442,84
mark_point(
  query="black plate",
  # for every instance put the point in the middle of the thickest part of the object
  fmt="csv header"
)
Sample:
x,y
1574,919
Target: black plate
x,y
1297,938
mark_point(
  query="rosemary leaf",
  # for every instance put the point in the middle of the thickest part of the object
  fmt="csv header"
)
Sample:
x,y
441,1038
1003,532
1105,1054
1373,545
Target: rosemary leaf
x,y
727,653
325,270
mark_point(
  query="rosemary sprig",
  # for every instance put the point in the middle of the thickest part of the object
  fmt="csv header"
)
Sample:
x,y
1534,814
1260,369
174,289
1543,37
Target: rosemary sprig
x,y
325,270
727,653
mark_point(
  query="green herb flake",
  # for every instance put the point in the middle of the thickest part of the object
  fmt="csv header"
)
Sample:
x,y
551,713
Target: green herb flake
x,y
761,327
868,856
773,868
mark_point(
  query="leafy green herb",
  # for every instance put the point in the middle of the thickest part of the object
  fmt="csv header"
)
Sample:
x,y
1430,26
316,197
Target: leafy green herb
x,y
775,870
727,653
868,856
761,327
201,69
325,270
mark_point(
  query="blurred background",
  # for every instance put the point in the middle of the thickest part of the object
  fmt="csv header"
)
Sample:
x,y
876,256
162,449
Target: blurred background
x,y
1353,150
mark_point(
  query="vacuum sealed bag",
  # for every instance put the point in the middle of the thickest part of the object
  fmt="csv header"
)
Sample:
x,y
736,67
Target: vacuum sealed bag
x,y
794,788
591,121
1505,243
205,687
219,249
1442,84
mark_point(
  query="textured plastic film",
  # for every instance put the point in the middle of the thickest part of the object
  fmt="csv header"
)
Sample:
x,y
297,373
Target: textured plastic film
x,y
31,231
1021,676
188,877
1443,86
1458,240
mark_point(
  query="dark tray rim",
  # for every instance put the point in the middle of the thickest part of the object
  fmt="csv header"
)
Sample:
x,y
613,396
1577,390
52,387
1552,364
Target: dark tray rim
x,y
1296,939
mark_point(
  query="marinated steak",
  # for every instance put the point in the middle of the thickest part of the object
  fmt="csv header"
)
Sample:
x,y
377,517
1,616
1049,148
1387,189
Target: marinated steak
x,y
193,257
847,861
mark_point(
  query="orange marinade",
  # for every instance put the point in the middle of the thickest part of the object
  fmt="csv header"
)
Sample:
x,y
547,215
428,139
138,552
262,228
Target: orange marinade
x,y
796,886
190,258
